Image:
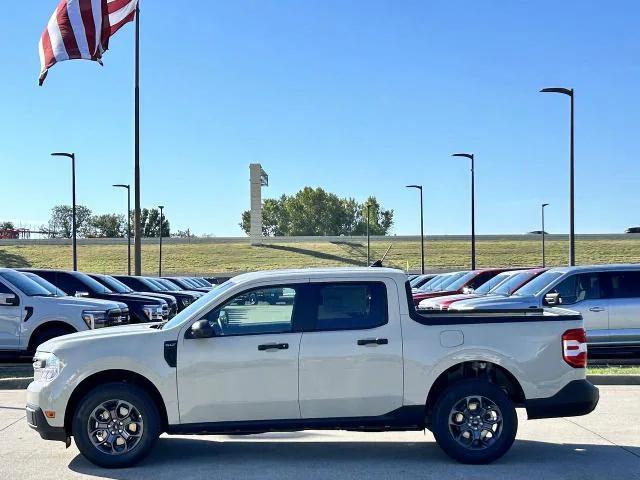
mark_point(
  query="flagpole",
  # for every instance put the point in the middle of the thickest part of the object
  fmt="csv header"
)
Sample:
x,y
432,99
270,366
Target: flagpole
x,y
136,215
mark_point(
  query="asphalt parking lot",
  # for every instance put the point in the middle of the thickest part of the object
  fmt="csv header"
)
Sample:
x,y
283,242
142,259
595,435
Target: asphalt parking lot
x,y
604,444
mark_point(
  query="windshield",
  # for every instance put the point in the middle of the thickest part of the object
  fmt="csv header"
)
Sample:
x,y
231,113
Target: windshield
x,y
461,281
170,286
149,284
434,282
538,284
508,287
448,280
157,284
91,284
45,284
195,306
25,284
490,284
115,285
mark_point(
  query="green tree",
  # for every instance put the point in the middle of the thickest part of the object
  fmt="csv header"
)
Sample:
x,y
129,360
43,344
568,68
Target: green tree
x,y
7,226
61,221
109,225
150,223
316,212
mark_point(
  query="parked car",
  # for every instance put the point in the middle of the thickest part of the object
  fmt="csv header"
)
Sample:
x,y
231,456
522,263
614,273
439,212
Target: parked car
x,y
350,352
419,280
187,284
465,283
143,284
607,296
31,314
503,284
117,286
141,307
438,282
201,282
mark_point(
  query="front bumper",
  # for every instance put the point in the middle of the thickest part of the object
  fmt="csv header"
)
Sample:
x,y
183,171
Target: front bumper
x,y
578,397
37,421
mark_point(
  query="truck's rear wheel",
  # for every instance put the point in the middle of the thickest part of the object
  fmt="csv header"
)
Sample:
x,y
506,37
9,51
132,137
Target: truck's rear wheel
x,y
116,425
474,421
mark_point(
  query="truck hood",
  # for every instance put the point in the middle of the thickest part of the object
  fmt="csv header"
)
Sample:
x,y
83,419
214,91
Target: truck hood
x,y
84,302
125,333
495,303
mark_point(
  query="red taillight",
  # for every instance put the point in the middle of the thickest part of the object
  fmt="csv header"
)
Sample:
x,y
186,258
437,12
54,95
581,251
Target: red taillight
x,y
574,347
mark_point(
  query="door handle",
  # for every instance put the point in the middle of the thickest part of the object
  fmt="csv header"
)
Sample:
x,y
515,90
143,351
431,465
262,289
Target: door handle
x,y
373,341
596,309
273,346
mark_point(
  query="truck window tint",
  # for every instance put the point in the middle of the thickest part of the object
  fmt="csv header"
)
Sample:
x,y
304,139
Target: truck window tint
x,y
624,284
264,310
576,288
4,288
352,306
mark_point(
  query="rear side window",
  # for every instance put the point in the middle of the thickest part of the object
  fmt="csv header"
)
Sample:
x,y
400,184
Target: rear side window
x,y
624,284
350,306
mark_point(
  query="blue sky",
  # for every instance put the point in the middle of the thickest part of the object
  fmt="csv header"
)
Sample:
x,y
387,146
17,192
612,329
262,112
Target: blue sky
x,y
358,97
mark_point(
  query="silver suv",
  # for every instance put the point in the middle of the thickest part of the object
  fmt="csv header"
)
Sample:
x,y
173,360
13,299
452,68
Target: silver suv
x,y
607,296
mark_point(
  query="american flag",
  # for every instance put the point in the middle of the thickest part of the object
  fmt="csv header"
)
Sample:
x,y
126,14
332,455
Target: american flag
x,y
80,29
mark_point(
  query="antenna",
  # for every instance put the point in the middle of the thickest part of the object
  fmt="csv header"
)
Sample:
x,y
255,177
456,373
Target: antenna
x,y
378,263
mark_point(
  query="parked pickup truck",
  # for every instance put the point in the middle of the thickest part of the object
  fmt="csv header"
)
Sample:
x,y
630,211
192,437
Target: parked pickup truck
x,y
349,352
31,313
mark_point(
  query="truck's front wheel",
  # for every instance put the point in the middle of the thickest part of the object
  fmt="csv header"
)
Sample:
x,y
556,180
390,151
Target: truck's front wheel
x,y
116,425
474,421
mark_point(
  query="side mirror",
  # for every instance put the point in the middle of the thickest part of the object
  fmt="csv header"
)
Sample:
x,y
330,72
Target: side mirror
x,y
552,299
82,294
9,300
468,290
201,329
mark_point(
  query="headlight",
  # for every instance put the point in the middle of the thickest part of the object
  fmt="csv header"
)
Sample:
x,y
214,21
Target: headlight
x,y
153,312
95,318
46,367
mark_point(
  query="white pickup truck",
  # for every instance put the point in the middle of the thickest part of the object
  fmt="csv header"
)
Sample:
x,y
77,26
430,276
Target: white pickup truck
x,y
338,348
33,311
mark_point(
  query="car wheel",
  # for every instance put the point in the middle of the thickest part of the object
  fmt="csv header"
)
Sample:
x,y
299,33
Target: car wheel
x,y
116,425
46,335
474,421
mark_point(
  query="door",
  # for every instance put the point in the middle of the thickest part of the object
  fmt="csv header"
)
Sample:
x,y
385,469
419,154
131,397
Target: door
x,y
10,319
249,369
622,289
351,354
582,292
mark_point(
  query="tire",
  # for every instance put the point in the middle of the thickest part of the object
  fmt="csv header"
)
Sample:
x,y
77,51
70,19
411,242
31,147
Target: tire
x,y
46,335
147,421
459,440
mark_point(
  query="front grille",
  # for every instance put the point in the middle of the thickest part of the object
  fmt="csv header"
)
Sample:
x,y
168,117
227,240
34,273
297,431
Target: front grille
x,y
165,312
118,317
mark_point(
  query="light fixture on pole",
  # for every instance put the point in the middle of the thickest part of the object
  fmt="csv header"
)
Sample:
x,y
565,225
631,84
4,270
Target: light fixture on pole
x,y
128,187
419,187
74,240
544,260
471,156
161,207
572,237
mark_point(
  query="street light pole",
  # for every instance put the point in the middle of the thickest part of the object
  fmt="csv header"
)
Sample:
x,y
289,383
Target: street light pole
x,y
368,238
543,233
161,207
572,237
471,156
74,244
419,187
128,187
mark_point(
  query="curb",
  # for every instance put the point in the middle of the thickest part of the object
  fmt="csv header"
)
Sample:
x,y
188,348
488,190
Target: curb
x,y
614,379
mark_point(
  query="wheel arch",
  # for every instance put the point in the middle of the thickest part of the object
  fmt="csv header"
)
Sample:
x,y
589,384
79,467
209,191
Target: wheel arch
x,y
114,376
481,369
31,347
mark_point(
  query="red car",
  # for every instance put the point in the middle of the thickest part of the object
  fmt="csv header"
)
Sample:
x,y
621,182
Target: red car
x,y
504,284
470,280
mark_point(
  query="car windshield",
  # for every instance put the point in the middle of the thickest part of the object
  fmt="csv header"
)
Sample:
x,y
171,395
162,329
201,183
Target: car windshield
x,y
45,284
91,284
149,284
489,285
432,284
538,284
195,306
114,284
25,284
172,287
158,284
190,282
461,281
507,288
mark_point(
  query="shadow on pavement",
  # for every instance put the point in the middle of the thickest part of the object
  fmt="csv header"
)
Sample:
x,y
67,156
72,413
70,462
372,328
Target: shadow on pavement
x,y
184,458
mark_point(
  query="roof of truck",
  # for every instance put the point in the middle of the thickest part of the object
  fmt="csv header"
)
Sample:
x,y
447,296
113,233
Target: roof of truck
x,y
336,272
591,268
